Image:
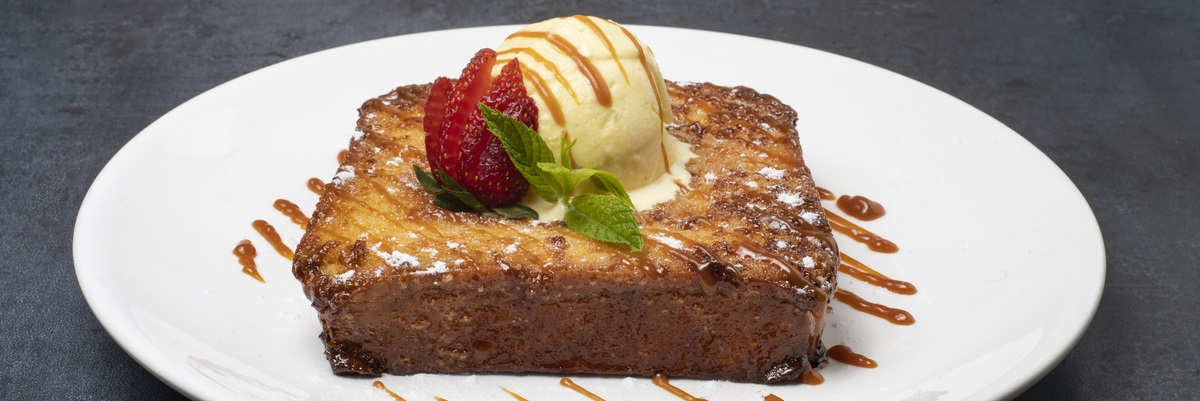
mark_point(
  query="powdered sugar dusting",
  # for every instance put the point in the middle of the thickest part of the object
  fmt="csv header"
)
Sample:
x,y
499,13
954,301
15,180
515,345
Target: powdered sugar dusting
x,y
808,262
668,241
791,199
345,173
810,217
772,173
397,258
344,277
438,267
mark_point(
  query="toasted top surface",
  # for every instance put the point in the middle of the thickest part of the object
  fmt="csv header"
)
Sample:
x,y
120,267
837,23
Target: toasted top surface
x,y
751,211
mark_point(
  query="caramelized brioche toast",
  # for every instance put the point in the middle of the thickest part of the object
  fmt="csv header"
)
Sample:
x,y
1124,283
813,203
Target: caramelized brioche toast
x,y
733,283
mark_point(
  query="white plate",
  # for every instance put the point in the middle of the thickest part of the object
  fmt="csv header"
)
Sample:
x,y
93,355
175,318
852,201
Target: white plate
x,y
1004,249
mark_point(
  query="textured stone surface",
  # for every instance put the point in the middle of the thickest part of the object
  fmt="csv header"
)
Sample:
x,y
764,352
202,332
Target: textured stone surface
x,y
1109,90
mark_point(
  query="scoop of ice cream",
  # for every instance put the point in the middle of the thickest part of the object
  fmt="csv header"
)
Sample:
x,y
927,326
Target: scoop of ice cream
x,y
595,83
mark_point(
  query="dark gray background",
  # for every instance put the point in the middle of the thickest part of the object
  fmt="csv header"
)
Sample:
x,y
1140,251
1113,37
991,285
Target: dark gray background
x,y
1109,90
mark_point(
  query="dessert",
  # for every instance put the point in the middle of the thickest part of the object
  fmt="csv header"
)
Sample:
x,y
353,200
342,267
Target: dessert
x,y
733,281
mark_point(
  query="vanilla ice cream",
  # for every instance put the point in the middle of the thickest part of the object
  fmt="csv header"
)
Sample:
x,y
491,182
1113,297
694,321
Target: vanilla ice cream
x,y
594,82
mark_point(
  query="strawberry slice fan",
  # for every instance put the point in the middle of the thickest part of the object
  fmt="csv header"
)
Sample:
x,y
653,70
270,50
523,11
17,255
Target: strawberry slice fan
x,y
457,140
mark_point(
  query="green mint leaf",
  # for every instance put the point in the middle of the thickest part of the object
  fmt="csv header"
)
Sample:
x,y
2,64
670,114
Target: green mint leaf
x,y
567,178
449,202
606,218
564,152
608,182
525,148
427,180
516,211
464,196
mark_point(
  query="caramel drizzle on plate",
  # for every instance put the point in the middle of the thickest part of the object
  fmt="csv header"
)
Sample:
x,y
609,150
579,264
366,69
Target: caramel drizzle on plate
x,y
316,185
860,207
268,233
379,385
893,315
514,395
566,382
812,377
853,268
662,382
245,253
292,211
873,241
772,397
844,354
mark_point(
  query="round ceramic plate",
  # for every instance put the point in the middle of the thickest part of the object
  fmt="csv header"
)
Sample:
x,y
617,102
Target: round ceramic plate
x,y
1006,254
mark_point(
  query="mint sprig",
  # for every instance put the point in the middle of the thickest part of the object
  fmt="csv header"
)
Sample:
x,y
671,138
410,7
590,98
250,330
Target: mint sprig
x,y
606,217
525,148
455,198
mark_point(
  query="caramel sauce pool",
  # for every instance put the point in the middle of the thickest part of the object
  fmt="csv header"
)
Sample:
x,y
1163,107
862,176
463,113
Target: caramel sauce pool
x,y
268,232
379,385
772,397
860,207
662,382
245,253
844,354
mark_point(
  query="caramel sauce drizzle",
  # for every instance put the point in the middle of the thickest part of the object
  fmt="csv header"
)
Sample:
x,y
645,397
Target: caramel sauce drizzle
x,y
565,382
853,268
245,253
589,70
341,157
514,395
316,185
844,354
558,76
812,377
379,385
439,398
662,382
772,397
825,194
747,247
551,102
607,43
893,315
704,266
860,207
662,147
268,232
292,211
873,241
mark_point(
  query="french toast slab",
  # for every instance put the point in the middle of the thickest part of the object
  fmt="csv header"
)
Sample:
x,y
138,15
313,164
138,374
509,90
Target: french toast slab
x,y
733,284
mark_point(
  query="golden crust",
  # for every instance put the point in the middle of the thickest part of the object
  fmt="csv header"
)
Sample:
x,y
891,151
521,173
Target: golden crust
x,y
749,228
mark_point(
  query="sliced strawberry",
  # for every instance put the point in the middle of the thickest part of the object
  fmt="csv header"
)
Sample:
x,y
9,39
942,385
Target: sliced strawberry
x,y
464,101
486,169
435,108
457,138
